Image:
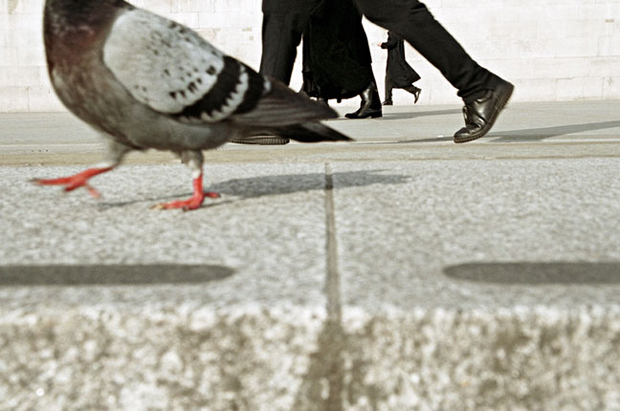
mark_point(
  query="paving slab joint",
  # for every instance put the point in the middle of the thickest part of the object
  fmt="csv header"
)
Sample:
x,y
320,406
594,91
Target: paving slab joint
x,y
323,386
333,277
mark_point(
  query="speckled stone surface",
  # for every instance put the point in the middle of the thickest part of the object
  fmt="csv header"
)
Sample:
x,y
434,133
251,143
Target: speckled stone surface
x,y
518,358
480,285
118,306
531,231
148,357
401,272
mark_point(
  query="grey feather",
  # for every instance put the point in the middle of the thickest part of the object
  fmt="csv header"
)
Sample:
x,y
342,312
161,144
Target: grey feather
x,y
161,63
283,107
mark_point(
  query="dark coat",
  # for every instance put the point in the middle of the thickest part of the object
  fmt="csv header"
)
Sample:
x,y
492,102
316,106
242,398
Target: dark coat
x,y
400,73
288,6
337,61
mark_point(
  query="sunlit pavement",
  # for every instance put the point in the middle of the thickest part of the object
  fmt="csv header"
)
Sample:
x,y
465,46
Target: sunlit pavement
x,y
398,272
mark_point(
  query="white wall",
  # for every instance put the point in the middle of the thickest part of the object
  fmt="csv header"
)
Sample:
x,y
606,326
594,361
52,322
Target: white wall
x,y
551,49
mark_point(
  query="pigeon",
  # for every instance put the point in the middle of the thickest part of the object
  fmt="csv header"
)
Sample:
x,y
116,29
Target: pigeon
x,y
146,82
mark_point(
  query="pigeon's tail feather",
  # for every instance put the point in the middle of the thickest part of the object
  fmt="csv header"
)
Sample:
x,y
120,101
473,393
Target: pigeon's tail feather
x,y
312,133
282,107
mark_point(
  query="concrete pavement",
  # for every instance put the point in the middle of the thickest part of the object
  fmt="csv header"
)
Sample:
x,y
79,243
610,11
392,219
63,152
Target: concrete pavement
x,y
399,272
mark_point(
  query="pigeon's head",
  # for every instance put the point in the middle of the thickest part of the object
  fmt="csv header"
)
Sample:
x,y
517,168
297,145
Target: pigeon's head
x,y
81,9
80,5
64,16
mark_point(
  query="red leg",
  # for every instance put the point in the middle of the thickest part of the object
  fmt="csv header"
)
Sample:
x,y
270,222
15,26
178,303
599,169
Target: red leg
x,y
192,203
75,181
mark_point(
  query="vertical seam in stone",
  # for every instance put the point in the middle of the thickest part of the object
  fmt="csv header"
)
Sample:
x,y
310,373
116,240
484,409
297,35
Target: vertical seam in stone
x,y
334,309
333,343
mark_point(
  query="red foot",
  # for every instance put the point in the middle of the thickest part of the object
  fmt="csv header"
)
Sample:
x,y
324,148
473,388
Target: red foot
x,y
192,203
75,181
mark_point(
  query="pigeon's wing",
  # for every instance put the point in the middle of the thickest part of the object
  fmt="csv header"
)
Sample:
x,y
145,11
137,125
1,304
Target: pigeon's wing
x,y
169,67
176,72
281,106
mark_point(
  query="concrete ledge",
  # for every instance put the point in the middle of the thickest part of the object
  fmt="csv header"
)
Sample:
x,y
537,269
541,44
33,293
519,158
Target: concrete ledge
x,y
183,357
518,358
191,357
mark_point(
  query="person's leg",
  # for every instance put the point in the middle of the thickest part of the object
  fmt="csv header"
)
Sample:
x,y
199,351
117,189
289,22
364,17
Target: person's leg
x,y
281,35
485,94
413,21
388,90
280,38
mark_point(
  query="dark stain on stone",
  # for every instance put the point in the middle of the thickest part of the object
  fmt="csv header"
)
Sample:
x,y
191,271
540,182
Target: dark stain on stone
x,y
537,273
323,388
110,275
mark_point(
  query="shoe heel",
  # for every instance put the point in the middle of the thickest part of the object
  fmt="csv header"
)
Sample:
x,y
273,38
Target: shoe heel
x,y
416,95
375,115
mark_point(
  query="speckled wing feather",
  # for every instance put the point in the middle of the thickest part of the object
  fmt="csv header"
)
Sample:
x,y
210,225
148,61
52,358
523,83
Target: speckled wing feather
x,y
174,71
167,66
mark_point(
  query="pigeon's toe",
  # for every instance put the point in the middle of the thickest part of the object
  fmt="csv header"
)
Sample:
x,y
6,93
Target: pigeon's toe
x,y
75,181
192,203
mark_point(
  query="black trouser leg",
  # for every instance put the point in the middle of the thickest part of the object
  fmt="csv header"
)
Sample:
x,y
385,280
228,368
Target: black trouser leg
x,y
281,36
411,89
411,20
388,87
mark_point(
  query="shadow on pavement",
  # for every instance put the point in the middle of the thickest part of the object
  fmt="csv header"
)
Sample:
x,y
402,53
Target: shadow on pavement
x,y
528,135
548,132
294,183
110,275
253,187
400,115
537,273
418,114
426,140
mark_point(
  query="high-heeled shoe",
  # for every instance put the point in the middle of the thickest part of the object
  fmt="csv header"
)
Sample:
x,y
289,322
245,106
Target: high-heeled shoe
x,y
370,106
415,91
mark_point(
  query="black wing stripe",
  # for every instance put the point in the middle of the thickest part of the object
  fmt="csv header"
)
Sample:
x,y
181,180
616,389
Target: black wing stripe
x,y
254,93
216,98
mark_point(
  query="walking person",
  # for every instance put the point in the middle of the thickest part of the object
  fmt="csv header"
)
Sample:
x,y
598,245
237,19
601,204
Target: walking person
x,y
329,46
485,94
284,22
337,61
398,73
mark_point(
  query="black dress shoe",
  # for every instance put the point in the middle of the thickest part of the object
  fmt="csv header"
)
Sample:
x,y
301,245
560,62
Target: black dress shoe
x,y
371,104
388,103
480,114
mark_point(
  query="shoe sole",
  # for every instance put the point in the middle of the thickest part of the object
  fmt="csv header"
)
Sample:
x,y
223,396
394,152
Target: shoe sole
x,y
263,141
373,115
498,109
